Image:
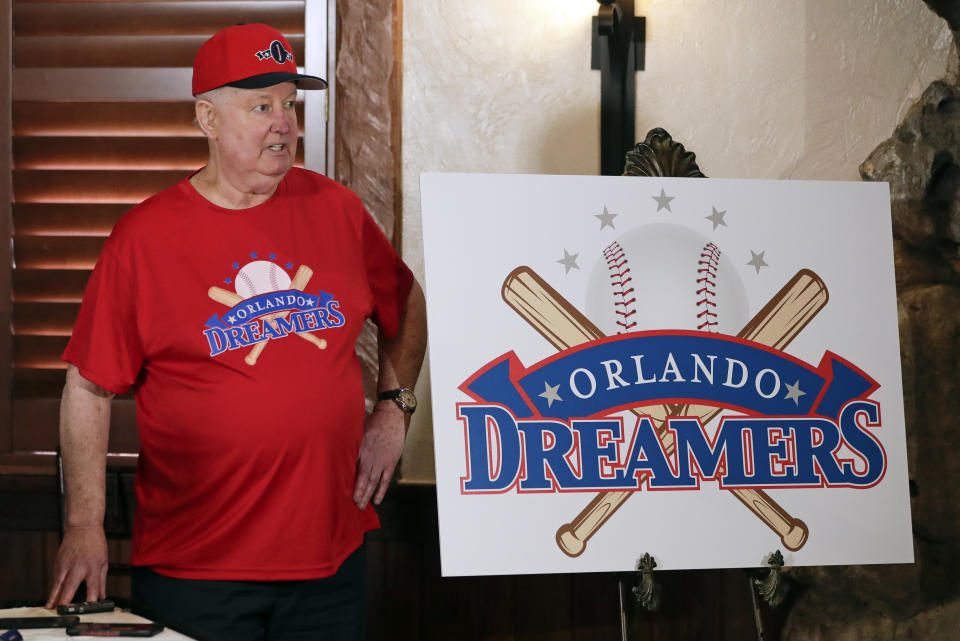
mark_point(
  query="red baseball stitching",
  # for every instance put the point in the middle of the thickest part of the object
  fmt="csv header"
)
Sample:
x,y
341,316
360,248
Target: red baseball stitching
x,y
707,267
621,283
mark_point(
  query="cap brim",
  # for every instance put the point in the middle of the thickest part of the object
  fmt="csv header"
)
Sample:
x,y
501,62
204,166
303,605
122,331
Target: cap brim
x,y
276,77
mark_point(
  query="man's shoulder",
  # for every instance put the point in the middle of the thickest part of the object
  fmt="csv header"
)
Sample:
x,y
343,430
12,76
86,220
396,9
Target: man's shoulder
x,y
150,216
307,182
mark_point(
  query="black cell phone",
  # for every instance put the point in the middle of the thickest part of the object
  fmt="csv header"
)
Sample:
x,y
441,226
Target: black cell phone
x,y
87,607
29,623
115,629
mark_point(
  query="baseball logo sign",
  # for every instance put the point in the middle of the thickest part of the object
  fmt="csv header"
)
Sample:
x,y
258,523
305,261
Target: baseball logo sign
x,y
664,361
268,304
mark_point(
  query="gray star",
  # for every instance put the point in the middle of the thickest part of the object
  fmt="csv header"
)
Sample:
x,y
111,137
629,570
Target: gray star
x,y
569,261
794,393
550,393
716,218
231,319
663,200
756,261
606,218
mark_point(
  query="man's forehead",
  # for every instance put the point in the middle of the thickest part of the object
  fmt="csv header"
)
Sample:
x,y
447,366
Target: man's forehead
x,y
283,90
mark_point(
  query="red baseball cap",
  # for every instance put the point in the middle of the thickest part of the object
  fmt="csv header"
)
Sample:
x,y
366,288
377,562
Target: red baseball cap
x,y
248,56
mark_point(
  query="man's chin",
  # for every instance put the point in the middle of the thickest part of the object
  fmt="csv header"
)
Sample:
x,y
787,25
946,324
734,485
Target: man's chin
x,y
276,169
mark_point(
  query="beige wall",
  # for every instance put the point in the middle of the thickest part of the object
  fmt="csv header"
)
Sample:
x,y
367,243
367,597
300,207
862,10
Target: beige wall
x,y
757,88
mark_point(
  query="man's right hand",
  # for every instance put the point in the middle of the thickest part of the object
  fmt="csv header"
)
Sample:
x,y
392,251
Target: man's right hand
x,y
82,558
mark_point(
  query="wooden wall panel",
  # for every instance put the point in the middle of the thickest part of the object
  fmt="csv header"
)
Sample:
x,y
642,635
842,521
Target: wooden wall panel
x,y
65,219
6,193
116,186
78,18
163,118
41,285
36,426
117,51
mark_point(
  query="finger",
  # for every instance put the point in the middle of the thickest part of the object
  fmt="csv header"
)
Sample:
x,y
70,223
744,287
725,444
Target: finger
x,y
365,476
103,582
96,588
384,484
69,588
361,493
55,592
360,485
369,488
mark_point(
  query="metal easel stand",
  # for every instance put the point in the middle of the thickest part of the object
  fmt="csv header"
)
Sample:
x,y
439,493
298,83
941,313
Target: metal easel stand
x,y
646,592
772,589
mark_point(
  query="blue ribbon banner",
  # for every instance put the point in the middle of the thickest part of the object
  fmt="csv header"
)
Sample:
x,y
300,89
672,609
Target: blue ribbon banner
x,y
270,303
669,367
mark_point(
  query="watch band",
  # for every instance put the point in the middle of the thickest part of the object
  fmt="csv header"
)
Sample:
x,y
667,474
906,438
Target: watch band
x,y
402,396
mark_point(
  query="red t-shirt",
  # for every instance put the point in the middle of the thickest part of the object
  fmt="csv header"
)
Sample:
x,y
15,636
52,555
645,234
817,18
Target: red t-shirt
x,y
246,471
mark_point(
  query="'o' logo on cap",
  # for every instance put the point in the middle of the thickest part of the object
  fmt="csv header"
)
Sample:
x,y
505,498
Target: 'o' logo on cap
x,y
276,51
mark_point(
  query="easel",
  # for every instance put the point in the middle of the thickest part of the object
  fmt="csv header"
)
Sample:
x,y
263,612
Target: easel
x,y
645,592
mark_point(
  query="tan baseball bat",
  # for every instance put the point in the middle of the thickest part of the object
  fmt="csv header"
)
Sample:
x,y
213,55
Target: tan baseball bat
x,y
564,326
300,280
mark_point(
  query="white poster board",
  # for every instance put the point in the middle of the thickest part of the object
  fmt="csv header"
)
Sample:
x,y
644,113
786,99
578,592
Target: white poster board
x,y
705,370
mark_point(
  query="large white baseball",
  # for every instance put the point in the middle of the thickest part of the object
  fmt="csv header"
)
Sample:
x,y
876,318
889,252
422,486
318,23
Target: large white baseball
x,y
664,276
260,277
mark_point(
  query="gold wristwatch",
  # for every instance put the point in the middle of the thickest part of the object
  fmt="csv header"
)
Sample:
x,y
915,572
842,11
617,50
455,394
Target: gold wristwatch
x,y
402,396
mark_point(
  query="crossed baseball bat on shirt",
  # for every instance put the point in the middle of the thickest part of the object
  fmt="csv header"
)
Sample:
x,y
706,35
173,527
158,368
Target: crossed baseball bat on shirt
x,y
563,326
230,299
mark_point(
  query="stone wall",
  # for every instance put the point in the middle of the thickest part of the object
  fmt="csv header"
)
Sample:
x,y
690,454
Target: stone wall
x,y
921,161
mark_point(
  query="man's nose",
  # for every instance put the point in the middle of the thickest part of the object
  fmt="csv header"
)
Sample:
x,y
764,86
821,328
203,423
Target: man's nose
x,y
280,123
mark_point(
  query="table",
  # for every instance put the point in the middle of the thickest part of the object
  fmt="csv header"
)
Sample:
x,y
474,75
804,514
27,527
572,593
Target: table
x,y
117,616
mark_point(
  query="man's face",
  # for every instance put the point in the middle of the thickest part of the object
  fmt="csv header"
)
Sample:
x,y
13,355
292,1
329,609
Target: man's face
x,y
257,130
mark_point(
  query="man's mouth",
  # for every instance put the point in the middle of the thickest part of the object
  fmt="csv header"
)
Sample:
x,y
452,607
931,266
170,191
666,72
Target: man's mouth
x,y
279,147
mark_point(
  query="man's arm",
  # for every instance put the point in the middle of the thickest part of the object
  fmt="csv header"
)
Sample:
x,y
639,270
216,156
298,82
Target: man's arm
x,y
386,427
84,429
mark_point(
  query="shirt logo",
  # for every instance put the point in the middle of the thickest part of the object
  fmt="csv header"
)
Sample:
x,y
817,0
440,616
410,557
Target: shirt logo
x,y
267,304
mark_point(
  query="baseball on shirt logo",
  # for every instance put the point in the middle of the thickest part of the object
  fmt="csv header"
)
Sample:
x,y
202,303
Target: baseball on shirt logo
x,y
267,304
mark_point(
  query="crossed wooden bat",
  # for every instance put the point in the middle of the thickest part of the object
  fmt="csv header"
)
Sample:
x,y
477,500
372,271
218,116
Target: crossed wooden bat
x,y
780,320
230,299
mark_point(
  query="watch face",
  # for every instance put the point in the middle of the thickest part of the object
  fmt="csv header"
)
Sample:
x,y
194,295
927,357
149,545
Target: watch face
x,y
408,399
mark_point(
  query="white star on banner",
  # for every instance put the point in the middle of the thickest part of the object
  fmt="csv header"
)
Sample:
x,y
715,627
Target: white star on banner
x,y
794,393
550,393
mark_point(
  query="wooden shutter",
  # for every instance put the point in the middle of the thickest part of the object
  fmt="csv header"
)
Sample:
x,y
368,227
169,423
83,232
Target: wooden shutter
x,y
101,119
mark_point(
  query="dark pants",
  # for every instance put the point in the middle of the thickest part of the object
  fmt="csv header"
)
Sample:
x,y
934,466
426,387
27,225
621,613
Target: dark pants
x,y
319,609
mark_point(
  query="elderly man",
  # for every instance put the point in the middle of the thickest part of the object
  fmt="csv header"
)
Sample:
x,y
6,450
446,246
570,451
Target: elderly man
x,y
231,303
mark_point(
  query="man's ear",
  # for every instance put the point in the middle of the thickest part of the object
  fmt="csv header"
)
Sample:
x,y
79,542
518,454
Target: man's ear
x,y
206,115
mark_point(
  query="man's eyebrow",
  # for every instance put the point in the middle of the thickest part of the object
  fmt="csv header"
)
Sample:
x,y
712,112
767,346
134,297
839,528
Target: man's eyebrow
x,y
267,96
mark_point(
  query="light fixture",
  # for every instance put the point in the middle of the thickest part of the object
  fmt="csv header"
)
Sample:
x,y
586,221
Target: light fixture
x,y
618,44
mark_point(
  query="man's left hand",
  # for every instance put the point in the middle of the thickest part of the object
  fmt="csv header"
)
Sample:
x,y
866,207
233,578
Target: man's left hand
x,y
380,450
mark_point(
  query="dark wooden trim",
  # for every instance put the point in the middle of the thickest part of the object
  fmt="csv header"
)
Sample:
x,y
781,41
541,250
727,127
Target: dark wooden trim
x,y
6,191
36,425
116,17
27,464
